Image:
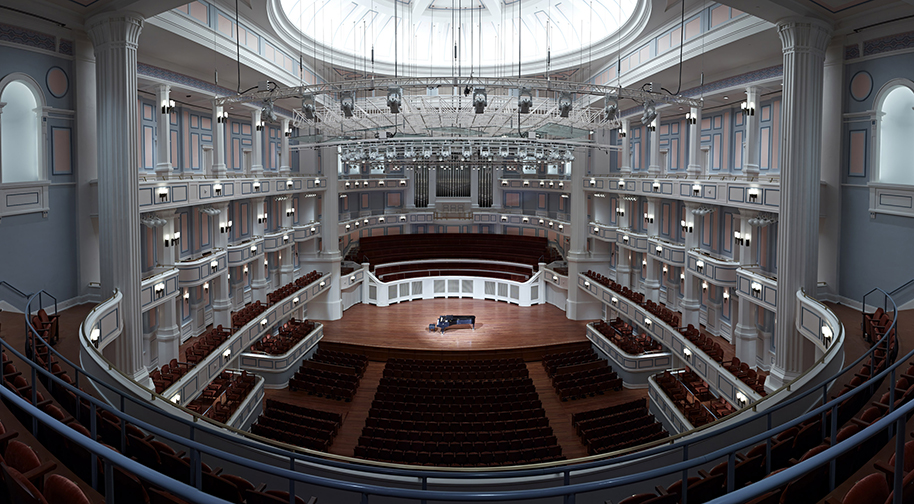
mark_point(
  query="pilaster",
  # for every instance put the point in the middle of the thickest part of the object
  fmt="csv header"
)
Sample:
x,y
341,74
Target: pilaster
x,y
654,128
87,235
750,167
284,168
694,168
691,289
626,167
580,305
163,132
218,142
257,149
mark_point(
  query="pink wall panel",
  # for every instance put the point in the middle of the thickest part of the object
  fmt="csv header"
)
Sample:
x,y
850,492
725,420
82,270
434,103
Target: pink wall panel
x,y
719,14
857,153
764,148
62,149
693,28
148,147
666,219
738,149
393,200
174,149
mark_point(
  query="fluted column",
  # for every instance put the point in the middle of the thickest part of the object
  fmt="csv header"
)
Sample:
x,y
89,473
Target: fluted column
x,y
691,290
410,193
804,41
745,332
654,266
625,168
163,133
284,169
168,335
580,305
222,302
654,129
257,148
218,142
694,168
750,167
432,185
115,37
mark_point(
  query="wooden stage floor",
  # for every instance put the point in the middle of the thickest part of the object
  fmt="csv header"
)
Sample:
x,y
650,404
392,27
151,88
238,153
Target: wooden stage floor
x,y
502,330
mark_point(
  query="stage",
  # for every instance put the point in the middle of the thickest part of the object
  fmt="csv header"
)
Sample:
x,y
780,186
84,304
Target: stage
x,y
502,331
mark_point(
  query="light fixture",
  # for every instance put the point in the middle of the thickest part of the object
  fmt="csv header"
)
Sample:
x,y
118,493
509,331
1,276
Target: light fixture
x,y
596,230
696,189
524,101
621,132
561,227
480,100
748,108
699,266
542,183
307,107
643,263
290,211
658,249
285,238
726,293
620,211
753,194
347,103
621,184
322,283
267,113
625,238
256,186
245,270
504,183
525,220
176,398
253,249
94,335
159,289
227,353
168,106
738,238
656,186
402,218
756,289
691,118
827,335
352,278
380,183
593,182
288,132
686,228
526,183
394,99
682,277
504,218
186,294
381,220
615,300
550,223
665,269
258,125
687,353
176,238
704,286
263,322
313,229
295,300
222,117
649,114
586,283
205,286
648,218
163,194
565,102
741,400
648,322
555,278
214,265
402,182
610,109
541,221
289,184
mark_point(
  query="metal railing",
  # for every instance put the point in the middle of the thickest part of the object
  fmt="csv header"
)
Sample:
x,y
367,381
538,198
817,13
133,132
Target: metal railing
x,y
679,448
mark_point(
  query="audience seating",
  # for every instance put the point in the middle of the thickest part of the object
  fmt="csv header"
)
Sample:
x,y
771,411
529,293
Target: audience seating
x,y
458,417
289,335
692,396
617,427
288,289
621,334
222,397
331,374
580,373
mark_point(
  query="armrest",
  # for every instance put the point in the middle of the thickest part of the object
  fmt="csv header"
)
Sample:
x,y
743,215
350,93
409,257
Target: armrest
x,y
37,474
885,468
864,425
6,436
741,457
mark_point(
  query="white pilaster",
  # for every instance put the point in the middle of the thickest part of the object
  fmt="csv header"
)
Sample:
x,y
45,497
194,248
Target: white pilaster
x,y
694,168
750,167
654,129
580,305
626,167
432,187
496,187
284,169
654,266
329,306
745,313
163,132
691,290
803,41
168,335
474,186
222,302
115,37
218,142
831,173
87,161
257,150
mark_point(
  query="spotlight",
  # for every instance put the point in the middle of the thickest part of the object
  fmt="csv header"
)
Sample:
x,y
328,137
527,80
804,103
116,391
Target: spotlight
x,y
565,104
307,107
611,109
347,103
650,113
524,100
394,99
267,113
466,90
480,100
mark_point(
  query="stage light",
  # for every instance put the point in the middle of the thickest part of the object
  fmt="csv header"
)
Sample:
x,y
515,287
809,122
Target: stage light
x,y
524,100
480,100
307,107
650,113
394,99
347,103
267,113
565,104
611,109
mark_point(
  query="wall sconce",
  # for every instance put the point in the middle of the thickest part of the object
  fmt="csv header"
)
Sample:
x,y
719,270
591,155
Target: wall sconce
x,y
615,300
624,238
402,182
656,186
756,289
596,230
686,228
245,270
227,353
94,335
525,220
653,126
356,183
352,278
561,227
167,239
176,398
691,119
696,189
253,250
258,126
261,218
266,262
739,239
551,184
175,238
504,183
665,269
346,184
228,276
290,212
163,194
217,188
289,184
561,185
365,222
753,194
593,182
263,322
402,218
542,183
648,218
381,220
541,222
285,238
550,223
322,284
186,294
699,266
748,108
648,322
586,283
621,184
644,263
289,131
313,229
214,265
159,289
222,117
526,183
205,286
620,211
687,353
256,186
741,400
704,286
226,226
168,106
295,300
555,278
682,277
726,293
827,335
658,249
380,183
504,218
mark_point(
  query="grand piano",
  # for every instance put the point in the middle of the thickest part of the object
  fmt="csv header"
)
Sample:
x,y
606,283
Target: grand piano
x,y
446,321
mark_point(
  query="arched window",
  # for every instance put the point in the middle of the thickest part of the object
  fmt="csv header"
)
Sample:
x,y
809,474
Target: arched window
x,y
21,109
895,131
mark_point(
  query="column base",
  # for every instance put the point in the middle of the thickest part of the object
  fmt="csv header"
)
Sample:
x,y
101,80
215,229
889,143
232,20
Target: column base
x,y
653,170
219,170
222,313
259,290
168,341
778,378
691,312
652,290
284,171
746,339
694,171
257,171
751,170
163,170
625,170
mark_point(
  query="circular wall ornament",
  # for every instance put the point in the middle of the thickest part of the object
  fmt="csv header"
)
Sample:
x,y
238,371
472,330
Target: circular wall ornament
x,y
861,85
58,82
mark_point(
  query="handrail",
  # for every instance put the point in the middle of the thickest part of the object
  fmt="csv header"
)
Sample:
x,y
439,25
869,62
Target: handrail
x,y
902,286
544,469
13,288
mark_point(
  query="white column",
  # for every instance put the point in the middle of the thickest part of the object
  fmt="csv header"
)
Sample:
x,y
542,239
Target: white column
x,y
691,291
168,335
329,305
654,128
803,41
474,186
163,133
580,305
714,303
284,169
832,124
432,184
626,166
671,280
623,255
694,168
410,193
222,303
752,133
218,142
745,332
87,161
115,37
654,266
496,187
257,150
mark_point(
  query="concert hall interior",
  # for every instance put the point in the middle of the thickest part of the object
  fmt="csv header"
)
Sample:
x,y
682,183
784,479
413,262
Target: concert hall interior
x,y
396,251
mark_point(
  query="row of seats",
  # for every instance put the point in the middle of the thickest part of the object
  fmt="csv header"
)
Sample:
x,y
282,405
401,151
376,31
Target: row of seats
x,y
552,362
707,345
692,396
346,359
636,297
413,247
621,334
289,335
446,367
206,344
457,375
747,375
223,396
247,313
457,421
419,270
287,290
274,405
584,374
628,425
330,374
